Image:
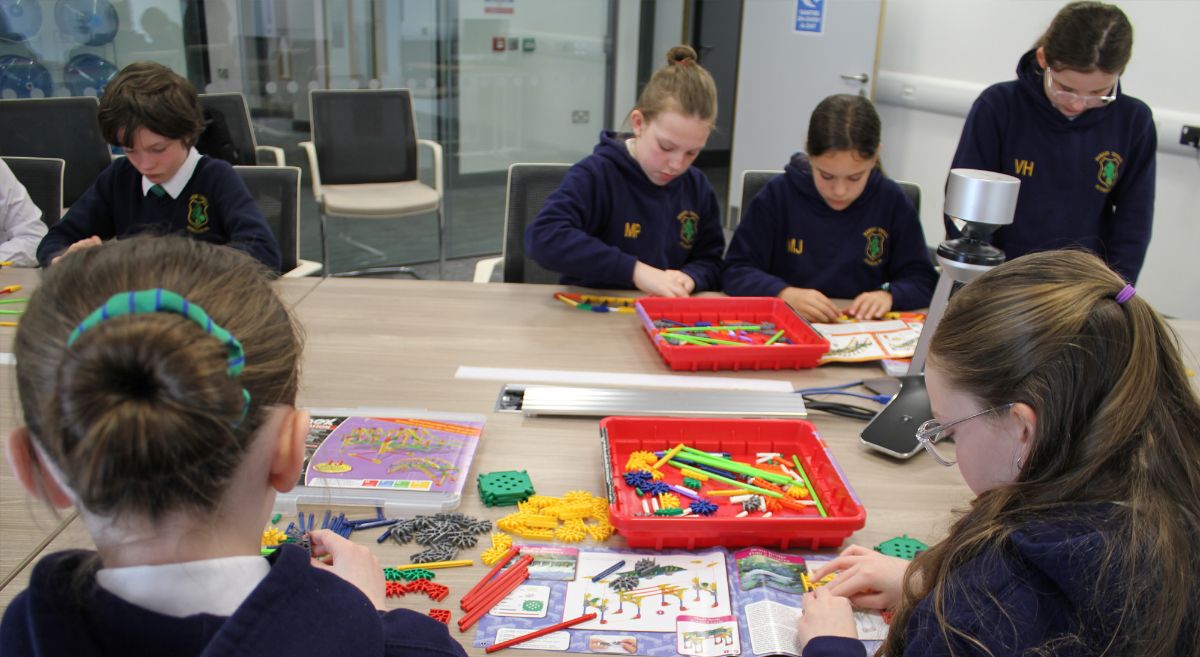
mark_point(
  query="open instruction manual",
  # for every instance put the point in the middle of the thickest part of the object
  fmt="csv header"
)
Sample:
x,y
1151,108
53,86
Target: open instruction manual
x,y
855,342
705,603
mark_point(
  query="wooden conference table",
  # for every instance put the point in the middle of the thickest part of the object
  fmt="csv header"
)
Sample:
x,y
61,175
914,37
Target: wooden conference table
x,y
373,342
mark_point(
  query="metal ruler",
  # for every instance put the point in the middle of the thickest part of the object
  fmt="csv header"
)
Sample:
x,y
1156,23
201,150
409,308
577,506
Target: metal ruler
x,y
601,402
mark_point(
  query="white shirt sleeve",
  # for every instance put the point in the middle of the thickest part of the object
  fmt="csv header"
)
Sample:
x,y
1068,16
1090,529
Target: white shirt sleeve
x,y
21,227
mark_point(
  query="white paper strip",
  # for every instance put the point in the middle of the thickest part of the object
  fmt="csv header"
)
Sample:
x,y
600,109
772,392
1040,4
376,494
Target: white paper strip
x,y
623,379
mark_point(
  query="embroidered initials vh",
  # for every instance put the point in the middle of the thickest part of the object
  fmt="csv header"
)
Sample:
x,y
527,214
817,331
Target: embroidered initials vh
x,y
632,230
1023,167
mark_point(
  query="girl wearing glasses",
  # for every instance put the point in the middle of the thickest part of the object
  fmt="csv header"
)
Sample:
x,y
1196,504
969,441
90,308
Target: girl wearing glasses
x,y
1074,422
1084,150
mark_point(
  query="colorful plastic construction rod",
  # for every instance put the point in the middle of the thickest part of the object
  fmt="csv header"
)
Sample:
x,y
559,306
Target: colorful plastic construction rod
x,y
808,484
542,632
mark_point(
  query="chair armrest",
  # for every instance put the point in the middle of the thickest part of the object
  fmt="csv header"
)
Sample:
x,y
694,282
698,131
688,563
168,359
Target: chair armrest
x,y
437,163
303,268
272,153
485,268
311,151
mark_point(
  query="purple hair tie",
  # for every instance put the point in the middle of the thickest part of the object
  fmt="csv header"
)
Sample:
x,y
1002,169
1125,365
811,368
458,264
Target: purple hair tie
x,y
1126,293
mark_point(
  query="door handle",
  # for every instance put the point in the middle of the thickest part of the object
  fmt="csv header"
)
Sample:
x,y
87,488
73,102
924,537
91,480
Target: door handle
x,y
861,77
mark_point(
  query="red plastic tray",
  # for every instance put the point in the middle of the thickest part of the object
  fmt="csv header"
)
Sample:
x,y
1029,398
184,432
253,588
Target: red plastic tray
x,y
806,351
743,439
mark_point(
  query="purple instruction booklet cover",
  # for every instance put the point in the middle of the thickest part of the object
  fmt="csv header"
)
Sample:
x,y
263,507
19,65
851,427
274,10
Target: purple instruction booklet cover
x,y
381,451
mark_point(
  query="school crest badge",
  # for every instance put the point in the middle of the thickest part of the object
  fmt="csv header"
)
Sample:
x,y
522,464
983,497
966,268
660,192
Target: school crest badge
x,y
876,239
197,217
1110,165
688,224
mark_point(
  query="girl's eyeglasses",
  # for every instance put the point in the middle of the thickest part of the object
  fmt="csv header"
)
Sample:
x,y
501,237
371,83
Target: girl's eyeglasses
x,y
932,431
1070,98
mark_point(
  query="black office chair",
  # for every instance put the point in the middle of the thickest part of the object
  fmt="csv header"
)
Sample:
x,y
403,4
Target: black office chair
x,y
64,128
363,158
277,192
229,133
42,177
528,187
913,191
753,180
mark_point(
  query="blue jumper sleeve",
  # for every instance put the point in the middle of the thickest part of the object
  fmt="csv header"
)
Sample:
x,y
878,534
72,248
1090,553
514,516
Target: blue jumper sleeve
x,y
1131,211
978,146
91,214
245,226
911,277
562,238
748,261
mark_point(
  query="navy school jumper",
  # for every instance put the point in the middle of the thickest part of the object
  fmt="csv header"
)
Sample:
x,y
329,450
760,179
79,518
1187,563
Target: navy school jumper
x,y
296,610
214,206
607,215
1087,182
1044,587
790,237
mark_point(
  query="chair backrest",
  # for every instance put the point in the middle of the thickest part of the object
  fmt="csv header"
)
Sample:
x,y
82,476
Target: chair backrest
x,y
913,191
277,192
753,180
364,135
528,187
42,177
63,128
228,133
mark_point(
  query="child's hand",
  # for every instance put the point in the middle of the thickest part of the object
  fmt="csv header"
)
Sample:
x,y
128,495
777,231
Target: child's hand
x,y
683,279
659,283
86,243
825,614
352,562
811,304
870,305
867,578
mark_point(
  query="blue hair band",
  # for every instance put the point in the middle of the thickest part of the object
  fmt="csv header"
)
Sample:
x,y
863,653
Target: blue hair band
x,y
159,300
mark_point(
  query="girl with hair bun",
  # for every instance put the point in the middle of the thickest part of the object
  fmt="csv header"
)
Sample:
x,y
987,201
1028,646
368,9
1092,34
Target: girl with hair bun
x,y
1075,424
636,213
157,378
833,225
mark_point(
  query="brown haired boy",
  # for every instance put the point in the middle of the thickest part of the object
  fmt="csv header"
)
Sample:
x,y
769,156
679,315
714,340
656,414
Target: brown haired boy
x,y
162,185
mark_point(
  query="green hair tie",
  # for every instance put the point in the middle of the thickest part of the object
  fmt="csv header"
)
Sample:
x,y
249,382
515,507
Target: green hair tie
x,y
159,300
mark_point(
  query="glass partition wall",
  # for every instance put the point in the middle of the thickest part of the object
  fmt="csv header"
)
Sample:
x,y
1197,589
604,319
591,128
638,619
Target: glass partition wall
x,y
493,81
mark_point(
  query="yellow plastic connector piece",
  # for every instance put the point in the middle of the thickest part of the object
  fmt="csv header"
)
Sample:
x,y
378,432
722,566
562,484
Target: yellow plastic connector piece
x,y
272,537
534,532
501,540
493,554
572,531
546,522
541,501
796,492
576,496
600,531
668,501
574,511
640,460
657,475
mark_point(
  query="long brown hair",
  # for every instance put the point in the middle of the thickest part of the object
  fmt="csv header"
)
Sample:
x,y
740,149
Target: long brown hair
x,y
140,414
1118,429
682,85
